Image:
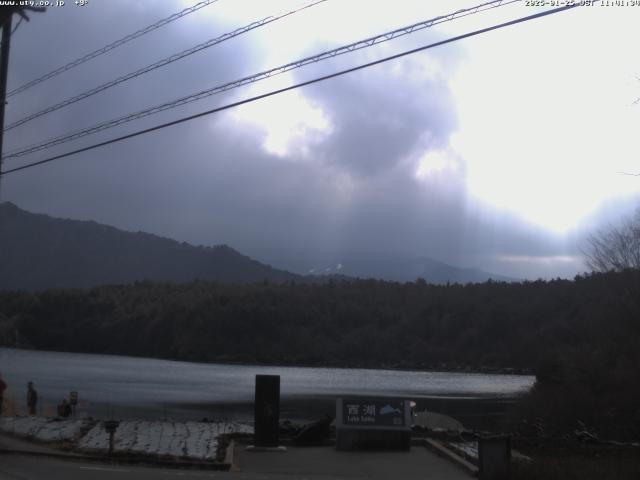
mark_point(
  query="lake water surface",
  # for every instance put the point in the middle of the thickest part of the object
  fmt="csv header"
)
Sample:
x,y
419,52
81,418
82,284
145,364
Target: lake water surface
x,y
134,385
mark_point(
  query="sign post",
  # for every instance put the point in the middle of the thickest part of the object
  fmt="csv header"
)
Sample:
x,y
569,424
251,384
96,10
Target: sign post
x,y
110,427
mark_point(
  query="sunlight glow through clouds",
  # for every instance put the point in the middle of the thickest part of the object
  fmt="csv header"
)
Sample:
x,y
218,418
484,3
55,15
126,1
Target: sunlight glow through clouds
x,y
291,124
544,124
436,161
544,111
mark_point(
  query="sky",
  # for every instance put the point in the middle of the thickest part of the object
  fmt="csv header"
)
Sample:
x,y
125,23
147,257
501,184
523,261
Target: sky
x,y
501,151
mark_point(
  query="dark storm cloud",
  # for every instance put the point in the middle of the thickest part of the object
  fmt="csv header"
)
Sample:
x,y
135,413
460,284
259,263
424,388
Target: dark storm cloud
x,y
378,120
92,29
211,181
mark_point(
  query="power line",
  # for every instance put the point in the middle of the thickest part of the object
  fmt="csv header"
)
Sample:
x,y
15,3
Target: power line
x,y
161,63
111,46
292,87
368,42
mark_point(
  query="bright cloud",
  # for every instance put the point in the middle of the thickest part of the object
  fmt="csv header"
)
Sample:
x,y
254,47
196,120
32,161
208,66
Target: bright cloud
x,y
545,117
290,124
436,161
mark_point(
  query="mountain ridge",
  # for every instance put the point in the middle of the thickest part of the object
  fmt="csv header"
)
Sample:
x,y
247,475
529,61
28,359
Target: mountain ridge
x,y
406,269
38,251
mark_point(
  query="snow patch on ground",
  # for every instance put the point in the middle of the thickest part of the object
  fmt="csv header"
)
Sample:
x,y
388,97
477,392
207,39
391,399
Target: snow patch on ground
x,y
192,440
470,449
44,429
436,421
189,440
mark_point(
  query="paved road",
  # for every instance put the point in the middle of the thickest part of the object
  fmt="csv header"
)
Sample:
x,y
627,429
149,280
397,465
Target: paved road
x,y
14,443
326,462
307,463
21,467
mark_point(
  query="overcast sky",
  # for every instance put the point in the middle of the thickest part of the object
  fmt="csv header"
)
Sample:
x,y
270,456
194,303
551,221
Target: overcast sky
x,y
499,151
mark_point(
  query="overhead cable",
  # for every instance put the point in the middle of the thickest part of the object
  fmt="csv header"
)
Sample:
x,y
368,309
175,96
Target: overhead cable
x,y
292,87
368,42
111,46
161,63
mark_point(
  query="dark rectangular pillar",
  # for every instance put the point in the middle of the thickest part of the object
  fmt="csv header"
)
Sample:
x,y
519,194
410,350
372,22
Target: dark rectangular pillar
x,y
494,457
267,410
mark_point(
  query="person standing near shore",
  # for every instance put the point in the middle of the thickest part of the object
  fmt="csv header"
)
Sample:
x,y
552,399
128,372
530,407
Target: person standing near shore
x,y
32,398
3,387
64,409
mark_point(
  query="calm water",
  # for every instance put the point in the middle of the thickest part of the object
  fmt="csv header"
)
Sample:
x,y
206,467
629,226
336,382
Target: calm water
x,y
127,384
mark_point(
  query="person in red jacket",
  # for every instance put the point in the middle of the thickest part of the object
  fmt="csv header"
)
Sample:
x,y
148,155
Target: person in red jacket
x,y
3,387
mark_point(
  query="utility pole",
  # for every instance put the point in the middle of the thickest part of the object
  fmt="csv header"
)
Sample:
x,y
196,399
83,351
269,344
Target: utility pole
x,y
6,17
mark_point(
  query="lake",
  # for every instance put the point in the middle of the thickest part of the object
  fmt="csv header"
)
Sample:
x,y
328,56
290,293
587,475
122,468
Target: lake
x,y
147,387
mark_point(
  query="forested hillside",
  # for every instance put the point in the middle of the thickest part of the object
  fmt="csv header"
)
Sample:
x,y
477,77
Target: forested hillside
x,y
364,323
38,252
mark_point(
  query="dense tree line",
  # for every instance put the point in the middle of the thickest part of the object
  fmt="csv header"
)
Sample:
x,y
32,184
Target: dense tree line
x,y
355,323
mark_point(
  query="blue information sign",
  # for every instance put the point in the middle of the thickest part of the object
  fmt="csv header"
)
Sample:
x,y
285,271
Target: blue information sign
x,y
373,412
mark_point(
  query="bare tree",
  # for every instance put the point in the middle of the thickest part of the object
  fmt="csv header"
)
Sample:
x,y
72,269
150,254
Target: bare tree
x,y
616,248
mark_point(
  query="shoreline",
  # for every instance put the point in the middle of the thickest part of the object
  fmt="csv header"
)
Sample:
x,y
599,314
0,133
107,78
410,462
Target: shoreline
x,y
476,413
